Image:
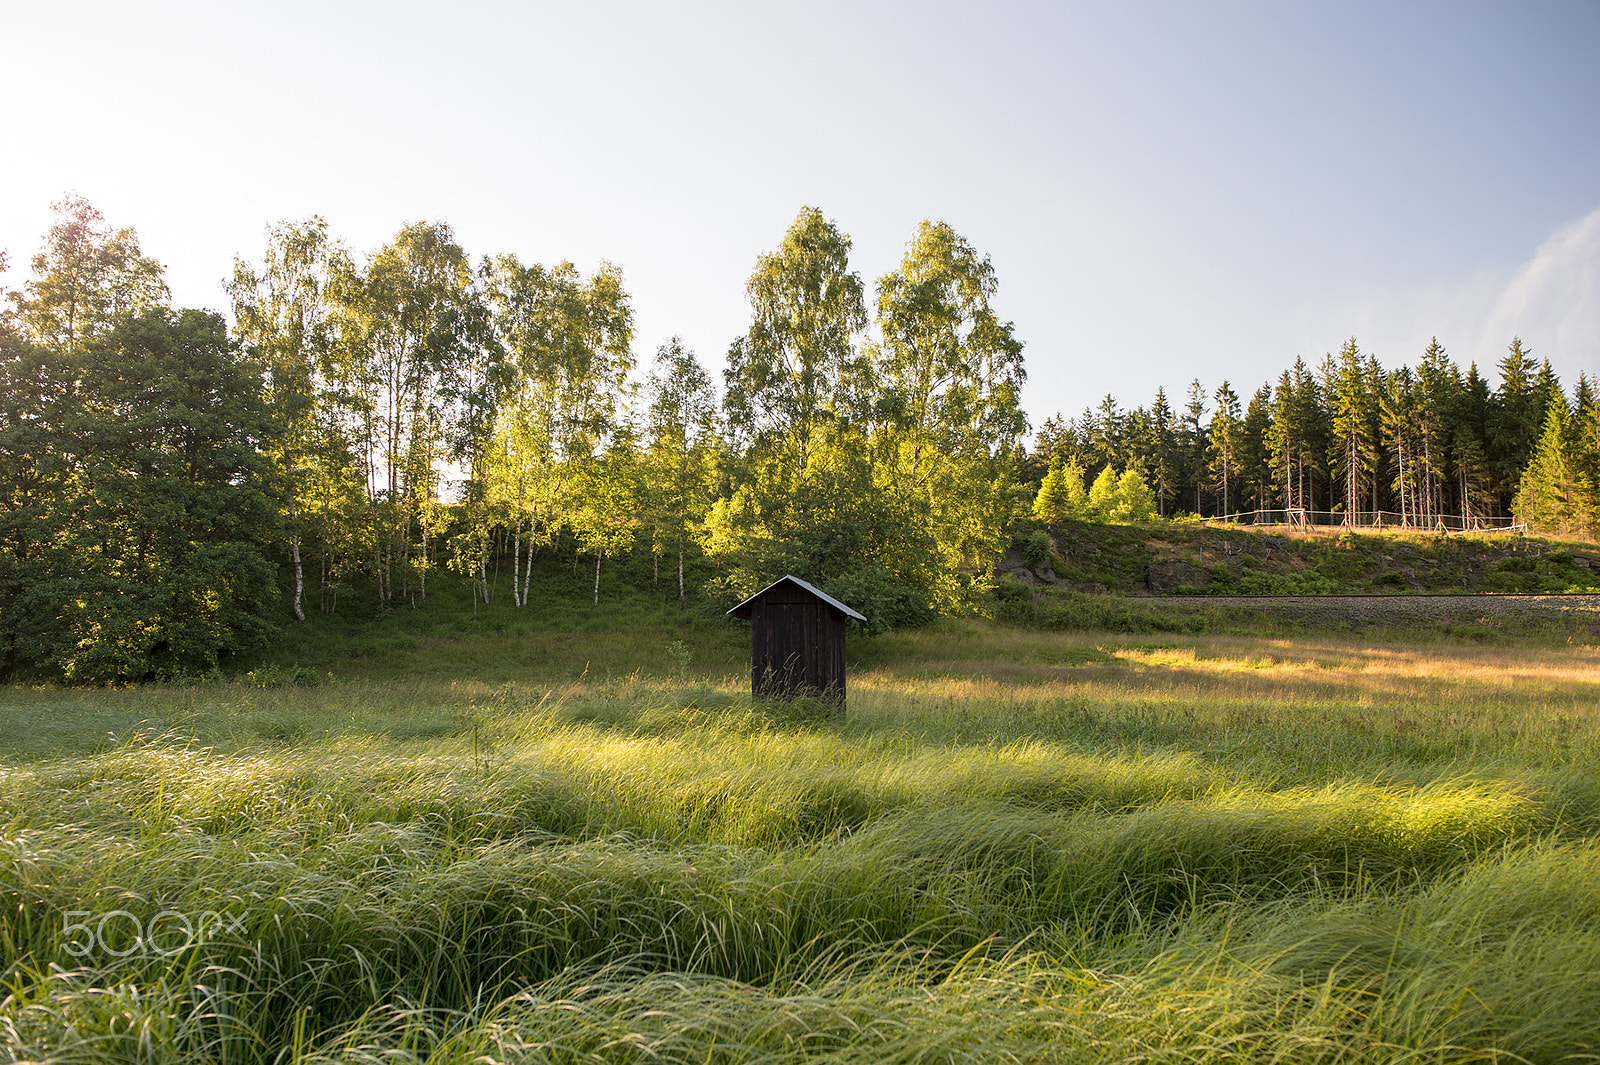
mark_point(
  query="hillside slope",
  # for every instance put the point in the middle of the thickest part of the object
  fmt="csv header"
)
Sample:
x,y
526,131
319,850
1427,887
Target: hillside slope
x,y
1216,560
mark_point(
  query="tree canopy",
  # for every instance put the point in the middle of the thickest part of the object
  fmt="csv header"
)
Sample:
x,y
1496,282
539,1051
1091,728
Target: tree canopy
x,y
371,420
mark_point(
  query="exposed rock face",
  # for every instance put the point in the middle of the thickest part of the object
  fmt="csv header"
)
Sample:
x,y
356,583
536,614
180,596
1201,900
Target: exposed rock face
x,y
1015,563
1169,574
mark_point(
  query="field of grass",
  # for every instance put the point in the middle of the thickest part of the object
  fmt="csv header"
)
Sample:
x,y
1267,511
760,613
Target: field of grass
x,y
569,846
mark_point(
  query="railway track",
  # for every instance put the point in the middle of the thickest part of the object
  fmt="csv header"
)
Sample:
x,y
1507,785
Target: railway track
x,y
1424,606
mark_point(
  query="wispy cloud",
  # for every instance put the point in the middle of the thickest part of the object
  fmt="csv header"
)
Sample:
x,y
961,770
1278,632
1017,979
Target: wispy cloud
x,y
1553,303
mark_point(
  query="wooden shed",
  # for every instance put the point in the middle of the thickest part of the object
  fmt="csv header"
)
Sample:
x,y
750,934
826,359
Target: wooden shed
x,y
796,640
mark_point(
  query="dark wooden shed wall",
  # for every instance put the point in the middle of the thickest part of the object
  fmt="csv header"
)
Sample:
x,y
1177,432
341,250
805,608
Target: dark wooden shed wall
x,y
796,645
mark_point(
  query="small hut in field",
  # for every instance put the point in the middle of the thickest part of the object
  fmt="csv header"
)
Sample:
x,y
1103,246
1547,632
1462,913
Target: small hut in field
x,y
796,640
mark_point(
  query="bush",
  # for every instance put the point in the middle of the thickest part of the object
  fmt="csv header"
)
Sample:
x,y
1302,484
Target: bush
x,y
886,603
1037,549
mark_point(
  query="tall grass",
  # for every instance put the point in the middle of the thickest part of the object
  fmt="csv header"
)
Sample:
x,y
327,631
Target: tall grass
x,y
1017,847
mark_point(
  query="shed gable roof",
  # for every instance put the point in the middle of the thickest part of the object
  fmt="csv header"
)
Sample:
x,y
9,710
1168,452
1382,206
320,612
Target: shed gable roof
x,y
743,609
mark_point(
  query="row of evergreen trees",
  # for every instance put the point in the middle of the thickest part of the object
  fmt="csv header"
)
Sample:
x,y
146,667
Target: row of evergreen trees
x,y
1355,439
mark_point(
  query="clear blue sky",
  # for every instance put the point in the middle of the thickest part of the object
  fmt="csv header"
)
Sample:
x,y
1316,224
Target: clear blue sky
x,y
1167,191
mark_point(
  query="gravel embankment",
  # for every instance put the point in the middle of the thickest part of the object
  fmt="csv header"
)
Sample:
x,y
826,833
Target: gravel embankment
x,y
1400,609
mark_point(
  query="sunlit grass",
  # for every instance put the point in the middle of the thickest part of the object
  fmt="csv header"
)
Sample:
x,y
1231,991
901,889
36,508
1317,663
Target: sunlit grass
x,y
1017,846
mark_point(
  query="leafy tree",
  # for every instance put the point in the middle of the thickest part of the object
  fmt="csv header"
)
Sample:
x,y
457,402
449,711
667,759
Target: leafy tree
x,y
865,547
401,336
569,344
606,517
36,472
85,276
797,367
807,496
474,387
168,517
948,377
681,440
284,321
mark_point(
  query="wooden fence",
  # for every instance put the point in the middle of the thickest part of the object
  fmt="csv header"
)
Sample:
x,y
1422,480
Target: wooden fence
x,y
1296,518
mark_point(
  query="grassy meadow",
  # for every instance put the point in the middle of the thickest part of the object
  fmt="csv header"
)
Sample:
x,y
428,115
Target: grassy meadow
x,y
571,844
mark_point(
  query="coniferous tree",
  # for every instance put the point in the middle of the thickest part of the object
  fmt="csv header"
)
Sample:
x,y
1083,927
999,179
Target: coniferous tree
x,y
1255,451
1062,495
1515,422
1162,453
1550,497
1351,397
1135,503
1297,438
1583,444
1103,431
1470,421
1192,442
1103,495
1224,444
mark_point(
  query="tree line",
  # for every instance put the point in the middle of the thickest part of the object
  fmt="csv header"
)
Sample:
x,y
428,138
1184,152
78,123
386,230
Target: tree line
x,y
371,422
173,486
1416,443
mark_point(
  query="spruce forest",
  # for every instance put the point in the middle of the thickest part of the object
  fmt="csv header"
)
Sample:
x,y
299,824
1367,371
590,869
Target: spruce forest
x,y
176,487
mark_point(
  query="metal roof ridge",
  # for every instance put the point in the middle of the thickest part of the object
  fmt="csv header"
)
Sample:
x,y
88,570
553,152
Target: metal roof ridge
x,y
813,589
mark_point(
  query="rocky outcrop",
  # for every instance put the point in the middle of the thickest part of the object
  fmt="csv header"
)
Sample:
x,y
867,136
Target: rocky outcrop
x,y
1015,563
1168,575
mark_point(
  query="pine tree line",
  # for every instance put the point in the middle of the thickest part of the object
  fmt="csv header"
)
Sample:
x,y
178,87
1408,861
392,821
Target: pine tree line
x,y
1352,438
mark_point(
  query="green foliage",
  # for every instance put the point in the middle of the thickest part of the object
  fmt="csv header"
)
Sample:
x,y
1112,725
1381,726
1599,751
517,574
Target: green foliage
x,y
1061,495
1037,549
1550,573
1113,499
86,276
680,444
883,474
797,367
839,534
1277,584
1551,497
1103,495
155,523
1135,503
